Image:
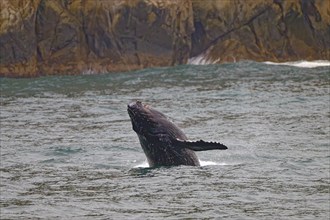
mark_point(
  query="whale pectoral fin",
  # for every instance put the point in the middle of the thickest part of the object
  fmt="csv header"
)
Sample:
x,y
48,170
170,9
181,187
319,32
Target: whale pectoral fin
x,y
201,145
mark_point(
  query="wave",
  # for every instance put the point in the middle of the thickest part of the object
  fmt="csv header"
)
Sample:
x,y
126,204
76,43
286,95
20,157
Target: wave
x,y
302,63
202,60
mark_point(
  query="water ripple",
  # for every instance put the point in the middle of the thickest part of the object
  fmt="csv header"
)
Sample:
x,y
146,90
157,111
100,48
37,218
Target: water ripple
x,y
68,150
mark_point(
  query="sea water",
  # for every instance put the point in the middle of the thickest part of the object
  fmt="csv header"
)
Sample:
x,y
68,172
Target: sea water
x,y
68,150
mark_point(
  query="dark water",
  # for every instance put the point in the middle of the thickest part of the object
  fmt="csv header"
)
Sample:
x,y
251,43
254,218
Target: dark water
x,y
68,150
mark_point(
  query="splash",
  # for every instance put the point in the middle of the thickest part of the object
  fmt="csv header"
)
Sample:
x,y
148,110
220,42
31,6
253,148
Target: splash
x,y
142,165
203,163
89,71
202,60
211,163
303,63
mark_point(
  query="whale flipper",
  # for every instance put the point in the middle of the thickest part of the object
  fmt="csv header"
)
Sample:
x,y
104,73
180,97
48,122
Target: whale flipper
x,y
201,145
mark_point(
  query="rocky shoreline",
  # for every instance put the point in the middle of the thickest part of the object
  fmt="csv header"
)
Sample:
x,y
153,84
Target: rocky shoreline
x,y
42,37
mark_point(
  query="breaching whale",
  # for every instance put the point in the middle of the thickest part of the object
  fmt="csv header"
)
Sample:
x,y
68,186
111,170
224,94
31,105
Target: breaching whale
x,y
163,143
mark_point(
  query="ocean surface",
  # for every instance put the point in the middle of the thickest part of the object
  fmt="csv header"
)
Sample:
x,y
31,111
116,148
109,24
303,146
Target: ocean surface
x,y
68,150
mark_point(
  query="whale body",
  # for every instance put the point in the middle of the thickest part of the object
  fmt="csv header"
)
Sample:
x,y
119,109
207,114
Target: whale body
x,y
163,143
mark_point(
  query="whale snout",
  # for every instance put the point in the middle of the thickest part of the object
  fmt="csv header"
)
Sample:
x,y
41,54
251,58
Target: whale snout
x,y
131,105
135,108
134,104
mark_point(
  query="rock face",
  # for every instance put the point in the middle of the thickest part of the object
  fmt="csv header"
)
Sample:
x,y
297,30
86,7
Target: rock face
x,y
44,37
279,30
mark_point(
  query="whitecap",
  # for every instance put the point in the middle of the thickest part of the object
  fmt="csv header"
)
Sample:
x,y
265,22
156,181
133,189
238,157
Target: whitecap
x,y
302,63
202,60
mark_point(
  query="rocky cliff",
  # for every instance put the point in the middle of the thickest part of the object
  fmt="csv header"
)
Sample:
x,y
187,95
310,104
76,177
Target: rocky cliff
x,y
274,30
44,37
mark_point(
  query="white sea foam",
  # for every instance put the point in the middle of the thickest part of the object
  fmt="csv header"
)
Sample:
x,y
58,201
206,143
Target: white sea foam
x,y
203,163
201,60
88,71
211,163
142,165
303,63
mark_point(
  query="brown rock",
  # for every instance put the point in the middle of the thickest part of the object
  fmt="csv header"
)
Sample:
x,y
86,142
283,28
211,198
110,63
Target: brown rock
x,y
17,38
44,37
71,36
261,30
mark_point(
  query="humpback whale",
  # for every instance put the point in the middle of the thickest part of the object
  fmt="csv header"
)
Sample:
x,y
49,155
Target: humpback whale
x,y
163,143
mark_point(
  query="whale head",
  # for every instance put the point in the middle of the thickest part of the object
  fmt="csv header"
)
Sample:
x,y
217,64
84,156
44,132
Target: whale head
x,y
146,120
